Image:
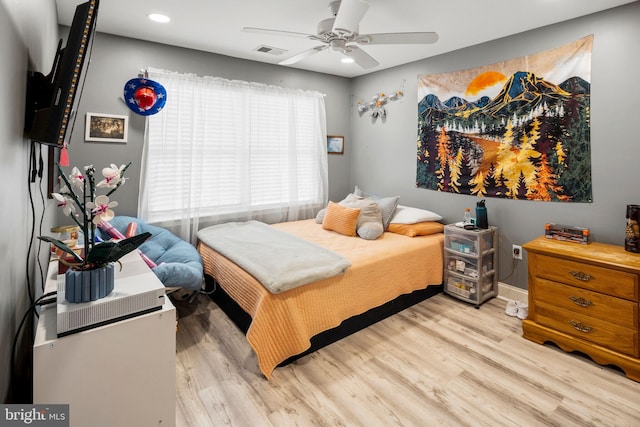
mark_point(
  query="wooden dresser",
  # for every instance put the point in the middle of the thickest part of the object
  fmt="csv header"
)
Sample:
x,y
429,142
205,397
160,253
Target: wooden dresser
x,y
585,298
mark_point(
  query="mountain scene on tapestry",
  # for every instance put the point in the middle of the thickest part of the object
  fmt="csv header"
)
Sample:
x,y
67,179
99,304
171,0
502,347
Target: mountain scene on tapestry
x,y
519,129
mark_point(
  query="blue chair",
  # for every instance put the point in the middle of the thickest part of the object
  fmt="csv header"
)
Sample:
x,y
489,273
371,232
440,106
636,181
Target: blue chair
x,y
179,264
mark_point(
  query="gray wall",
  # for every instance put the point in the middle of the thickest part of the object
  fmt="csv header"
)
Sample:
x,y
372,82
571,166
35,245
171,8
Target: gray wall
x,y
16,208
384,152
115,60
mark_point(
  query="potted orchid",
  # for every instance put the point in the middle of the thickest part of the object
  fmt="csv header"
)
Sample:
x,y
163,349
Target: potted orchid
x,y
78,200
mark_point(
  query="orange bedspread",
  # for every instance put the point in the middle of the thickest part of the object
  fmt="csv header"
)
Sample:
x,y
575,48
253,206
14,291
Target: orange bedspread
x,y
283,324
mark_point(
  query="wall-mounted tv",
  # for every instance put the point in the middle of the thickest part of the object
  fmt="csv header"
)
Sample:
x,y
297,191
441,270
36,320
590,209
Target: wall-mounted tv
x,y
52,100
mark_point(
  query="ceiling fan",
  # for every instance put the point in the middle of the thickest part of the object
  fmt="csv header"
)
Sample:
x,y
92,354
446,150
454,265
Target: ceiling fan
x,y
340,34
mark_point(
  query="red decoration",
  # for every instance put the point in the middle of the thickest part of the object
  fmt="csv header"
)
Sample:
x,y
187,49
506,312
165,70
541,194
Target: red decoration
x,y
64,156
145,97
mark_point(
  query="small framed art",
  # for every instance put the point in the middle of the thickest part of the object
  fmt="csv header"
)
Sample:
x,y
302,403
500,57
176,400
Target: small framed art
x,y
106,128
335,144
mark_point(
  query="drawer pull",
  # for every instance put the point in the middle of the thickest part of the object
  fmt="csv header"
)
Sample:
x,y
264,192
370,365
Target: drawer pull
x,y
579,326
580,301
584,277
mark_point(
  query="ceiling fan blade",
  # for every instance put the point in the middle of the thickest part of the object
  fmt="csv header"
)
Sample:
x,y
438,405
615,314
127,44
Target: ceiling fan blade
x,y
276,32
349,16
302,55
397,38
360,57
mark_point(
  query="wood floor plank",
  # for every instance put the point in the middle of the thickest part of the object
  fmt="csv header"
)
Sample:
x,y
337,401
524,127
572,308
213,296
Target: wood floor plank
x,y
441,362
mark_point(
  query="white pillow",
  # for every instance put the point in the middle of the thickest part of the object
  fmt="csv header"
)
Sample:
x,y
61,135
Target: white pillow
x,y
409,215
320,215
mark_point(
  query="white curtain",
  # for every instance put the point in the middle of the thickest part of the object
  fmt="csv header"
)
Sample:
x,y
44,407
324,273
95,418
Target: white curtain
x,y
224,150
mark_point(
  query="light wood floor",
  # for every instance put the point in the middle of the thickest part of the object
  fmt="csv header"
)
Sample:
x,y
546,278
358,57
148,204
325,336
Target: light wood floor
x,y
439,363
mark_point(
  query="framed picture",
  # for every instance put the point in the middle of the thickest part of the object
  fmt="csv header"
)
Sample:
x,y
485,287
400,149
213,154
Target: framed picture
x,y
106,128
335,144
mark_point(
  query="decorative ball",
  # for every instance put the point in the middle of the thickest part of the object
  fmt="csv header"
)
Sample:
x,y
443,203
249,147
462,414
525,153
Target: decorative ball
x,y
145,97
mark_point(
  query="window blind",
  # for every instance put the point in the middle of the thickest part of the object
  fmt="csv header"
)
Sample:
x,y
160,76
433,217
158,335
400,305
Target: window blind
x,y
223,149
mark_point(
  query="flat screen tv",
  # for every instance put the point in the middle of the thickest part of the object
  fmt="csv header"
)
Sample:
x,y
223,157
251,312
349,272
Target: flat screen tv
x,y
52,100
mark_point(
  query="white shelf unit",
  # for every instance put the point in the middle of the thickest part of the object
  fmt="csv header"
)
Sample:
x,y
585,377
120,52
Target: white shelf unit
x,y
121,374
471,263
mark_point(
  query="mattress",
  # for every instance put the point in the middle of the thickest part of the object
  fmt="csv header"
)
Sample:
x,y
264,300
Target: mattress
x,y
282,324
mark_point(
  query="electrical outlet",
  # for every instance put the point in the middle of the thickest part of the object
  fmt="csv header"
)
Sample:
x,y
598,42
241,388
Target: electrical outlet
x,y
516,250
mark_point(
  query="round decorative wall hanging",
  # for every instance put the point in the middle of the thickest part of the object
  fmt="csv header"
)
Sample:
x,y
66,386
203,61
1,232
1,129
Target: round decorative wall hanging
x,y
144,96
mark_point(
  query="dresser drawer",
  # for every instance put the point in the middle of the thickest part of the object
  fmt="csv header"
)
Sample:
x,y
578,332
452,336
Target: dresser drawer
x,y
603,280
588,303
597,331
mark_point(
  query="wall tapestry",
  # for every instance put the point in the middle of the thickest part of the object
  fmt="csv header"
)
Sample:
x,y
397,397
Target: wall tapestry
x,y
517,129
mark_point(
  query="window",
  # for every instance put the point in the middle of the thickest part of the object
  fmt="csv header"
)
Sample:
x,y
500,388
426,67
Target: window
x,y
223,150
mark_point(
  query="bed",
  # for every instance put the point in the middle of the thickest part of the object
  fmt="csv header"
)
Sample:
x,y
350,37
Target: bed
x,y
386,275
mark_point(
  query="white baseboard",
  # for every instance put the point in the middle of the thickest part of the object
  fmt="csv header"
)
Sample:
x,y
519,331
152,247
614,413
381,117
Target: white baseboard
x,y
508,292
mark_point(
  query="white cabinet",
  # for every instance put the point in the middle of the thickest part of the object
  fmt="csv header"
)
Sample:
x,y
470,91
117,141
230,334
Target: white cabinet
x,y
471,263
122,374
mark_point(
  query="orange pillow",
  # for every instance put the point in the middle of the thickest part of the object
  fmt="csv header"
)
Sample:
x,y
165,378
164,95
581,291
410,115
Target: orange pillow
x,y
341,219
418,229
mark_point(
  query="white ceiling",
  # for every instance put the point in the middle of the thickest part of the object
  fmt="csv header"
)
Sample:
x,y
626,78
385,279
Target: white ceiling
x,y
215,25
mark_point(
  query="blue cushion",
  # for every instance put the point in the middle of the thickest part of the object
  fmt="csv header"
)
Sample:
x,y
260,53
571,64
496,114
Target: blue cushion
x,y
178,263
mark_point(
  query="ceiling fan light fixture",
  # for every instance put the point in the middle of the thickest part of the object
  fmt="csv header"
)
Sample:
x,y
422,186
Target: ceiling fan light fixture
x,y
338,45
347,60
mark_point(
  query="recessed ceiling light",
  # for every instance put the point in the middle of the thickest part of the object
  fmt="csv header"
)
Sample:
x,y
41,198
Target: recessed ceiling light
x,y
158,17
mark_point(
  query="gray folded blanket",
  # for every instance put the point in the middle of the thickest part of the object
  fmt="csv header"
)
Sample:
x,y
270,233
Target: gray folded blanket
x,y
278,260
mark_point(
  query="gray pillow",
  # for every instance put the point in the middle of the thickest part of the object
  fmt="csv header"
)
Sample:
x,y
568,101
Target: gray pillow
x,y
369,224
387,205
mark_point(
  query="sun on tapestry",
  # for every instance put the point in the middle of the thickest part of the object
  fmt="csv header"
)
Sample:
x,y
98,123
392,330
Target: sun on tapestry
x,y
517,129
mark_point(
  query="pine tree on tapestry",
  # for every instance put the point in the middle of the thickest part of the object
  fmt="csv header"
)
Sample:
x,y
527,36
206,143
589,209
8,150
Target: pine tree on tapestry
x,y
546,181
478,184
498,189
524,159
521,188
426,176
455,166
423,153
443,161
505,159
577,131
560,154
